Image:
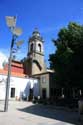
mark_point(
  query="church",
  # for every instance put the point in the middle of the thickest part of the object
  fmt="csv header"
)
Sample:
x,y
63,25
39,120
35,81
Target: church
x,y
29,77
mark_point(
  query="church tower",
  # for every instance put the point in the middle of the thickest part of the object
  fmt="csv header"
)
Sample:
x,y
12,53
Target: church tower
x,y
36,63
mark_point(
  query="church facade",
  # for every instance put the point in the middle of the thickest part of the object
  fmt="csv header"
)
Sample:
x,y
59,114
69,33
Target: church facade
x,y
30,77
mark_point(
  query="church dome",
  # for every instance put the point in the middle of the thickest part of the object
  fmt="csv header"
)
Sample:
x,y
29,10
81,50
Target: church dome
x,y
36,32
36,35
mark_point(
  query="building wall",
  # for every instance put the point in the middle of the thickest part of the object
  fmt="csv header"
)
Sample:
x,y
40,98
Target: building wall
x,y
17,69
44,84
21,85
40,59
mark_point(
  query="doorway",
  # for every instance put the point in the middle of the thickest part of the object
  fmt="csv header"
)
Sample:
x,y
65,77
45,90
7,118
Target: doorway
x,y
31,95
12,92
44,93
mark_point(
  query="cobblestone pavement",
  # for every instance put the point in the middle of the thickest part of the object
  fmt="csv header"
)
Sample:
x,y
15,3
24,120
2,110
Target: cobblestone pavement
x,y
26,113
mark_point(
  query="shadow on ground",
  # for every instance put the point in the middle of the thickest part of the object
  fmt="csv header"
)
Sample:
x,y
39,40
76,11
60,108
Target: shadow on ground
x,y
44,111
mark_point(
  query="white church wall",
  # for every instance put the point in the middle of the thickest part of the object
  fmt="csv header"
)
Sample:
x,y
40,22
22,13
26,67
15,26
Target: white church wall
x,y
2,87
21,85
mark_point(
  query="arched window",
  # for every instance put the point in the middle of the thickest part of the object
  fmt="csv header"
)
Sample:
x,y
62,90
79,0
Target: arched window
x,y
31,47
39,47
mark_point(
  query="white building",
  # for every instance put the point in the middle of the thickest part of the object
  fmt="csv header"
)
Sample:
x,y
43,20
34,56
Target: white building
x,y
20,86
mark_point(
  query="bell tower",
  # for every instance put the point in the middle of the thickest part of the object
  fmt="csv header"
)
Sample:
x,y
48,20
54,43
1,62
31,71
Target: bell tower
x,y
36,53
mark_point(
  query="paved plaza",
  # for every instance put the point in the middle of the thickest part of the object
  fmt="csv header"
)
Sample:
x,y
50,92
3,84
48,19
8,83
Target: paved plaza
x,y
26,113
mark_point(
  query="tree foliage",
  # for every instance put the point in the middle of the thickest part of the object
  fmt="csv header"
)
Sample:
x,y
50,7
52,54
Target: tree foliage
x,y
67,61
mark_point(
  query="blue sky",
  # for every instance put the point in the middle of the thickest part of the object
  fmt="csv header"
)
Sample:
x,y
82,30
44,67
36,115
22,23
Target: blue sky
x,y
48,15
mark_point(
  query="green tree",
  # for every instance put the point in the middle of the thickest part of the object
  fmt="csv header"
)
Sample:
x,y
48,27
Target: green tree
x,y
67,61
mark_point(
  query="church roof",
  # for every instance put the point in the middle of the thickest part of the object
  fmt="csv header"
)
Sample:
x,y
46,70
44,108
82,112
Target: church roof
x,y
17,69
16,66
4,72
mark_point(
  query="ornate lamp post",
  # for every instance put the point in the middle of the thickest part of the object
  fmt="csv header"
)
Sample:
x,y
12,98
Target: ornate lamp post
x,y
11,23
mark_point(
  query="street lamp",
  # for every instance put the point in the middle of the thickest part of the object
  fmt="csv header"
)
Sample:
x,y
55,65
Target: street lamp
x,y
11,23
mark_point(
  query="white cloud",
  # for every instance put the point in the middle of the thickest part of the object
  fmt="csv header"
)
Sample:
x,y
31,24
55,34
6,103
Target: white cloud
x,y
5,52
3,58
20,54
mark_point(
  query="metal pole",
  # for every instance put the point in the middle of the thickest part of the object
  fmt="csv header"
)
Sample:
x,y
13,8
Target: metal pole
x,y
8,77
